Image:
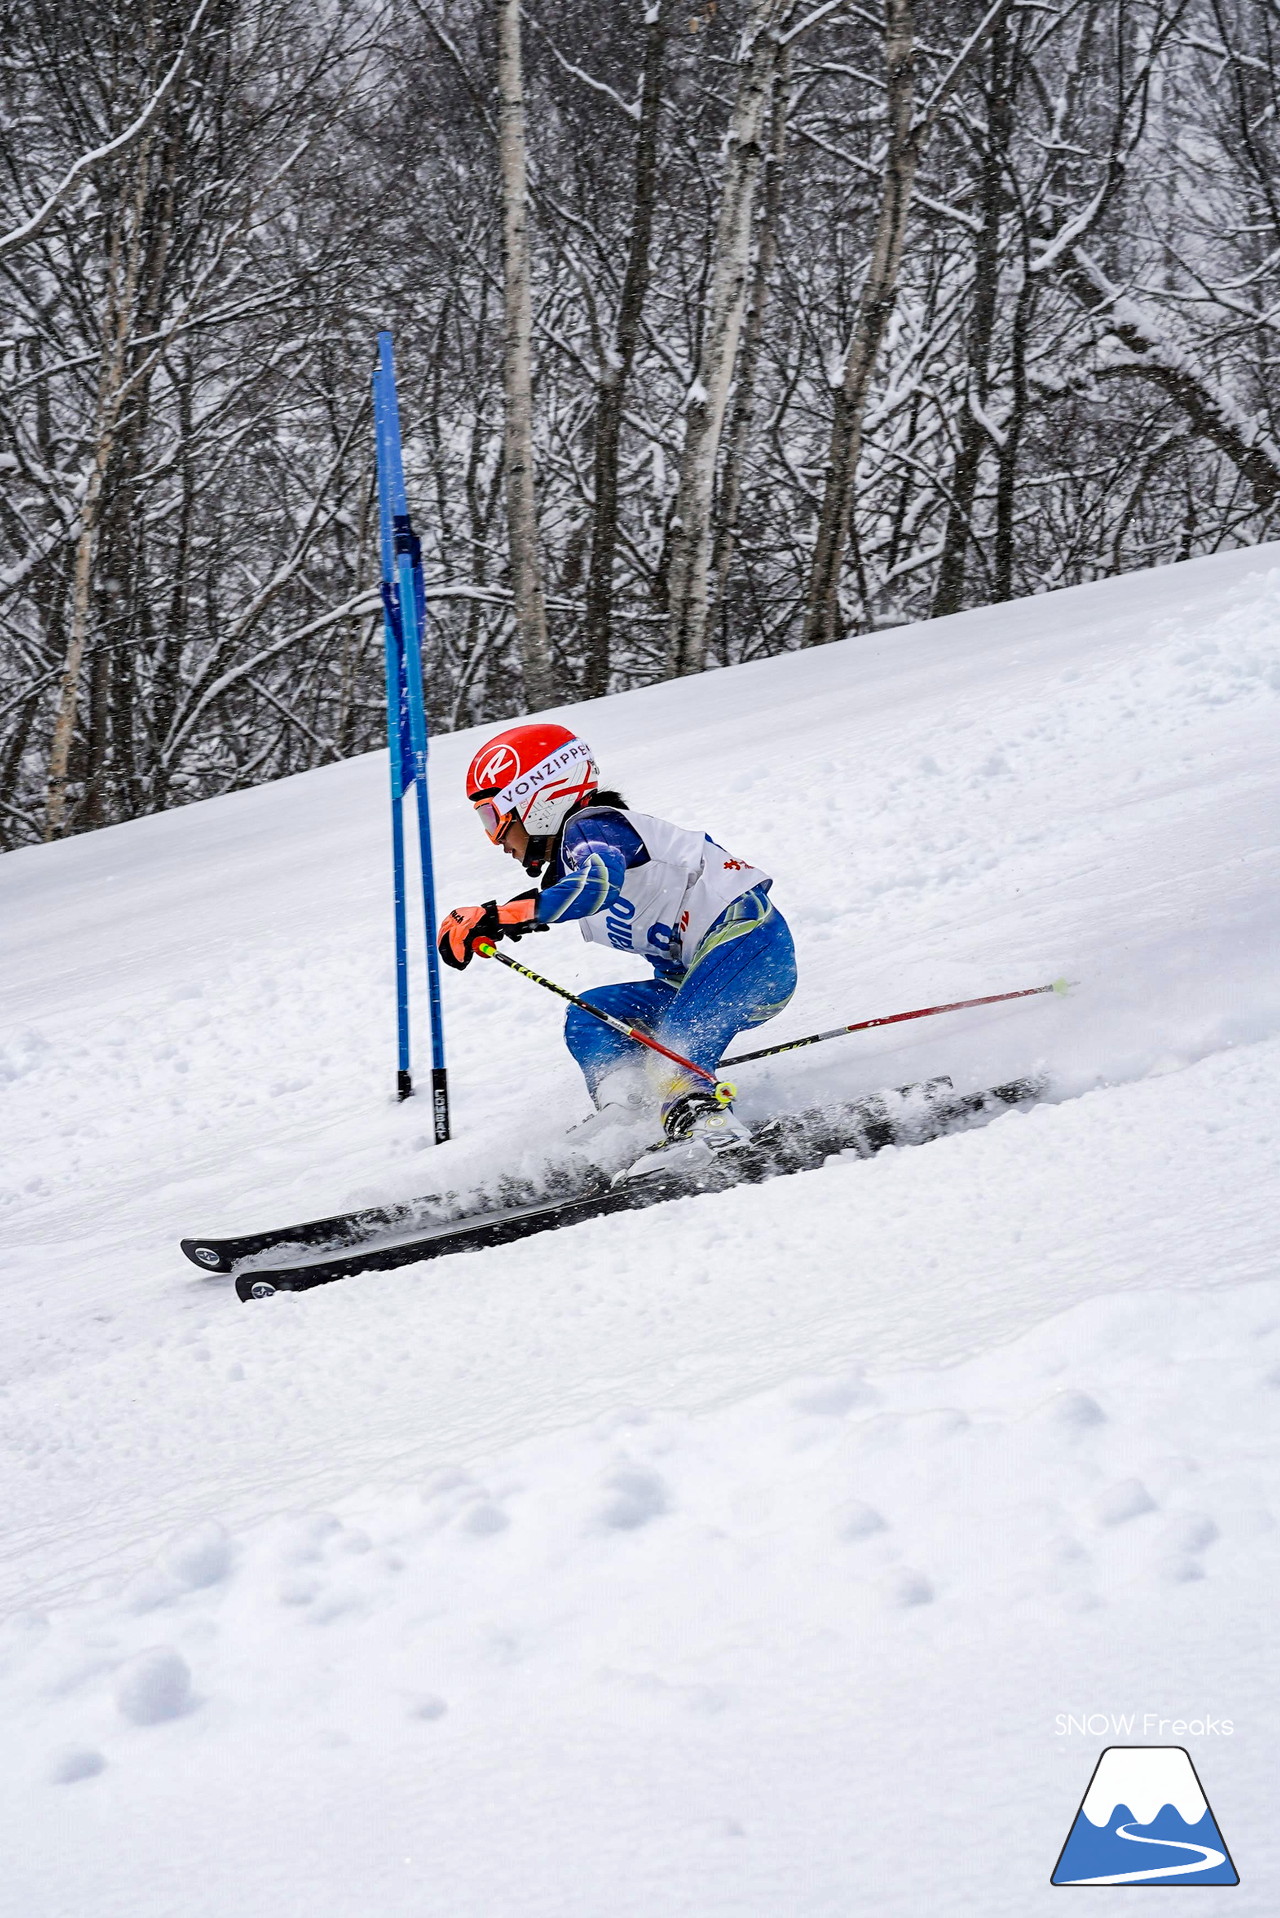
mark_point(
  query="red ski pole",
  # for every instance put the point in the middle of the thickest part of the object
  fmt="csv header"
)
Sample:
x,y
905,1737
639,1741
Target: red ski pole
x,y
723,1092
896,1019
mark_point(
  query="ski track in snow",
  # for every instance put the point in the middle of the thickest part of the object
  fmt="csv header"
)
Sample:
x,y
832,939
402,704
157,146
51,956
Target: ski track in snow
x,y
692,1560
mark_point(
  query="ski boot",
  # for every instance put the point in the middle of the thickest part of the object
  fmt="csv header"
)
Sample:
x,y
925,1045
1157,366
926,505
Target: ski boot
x,y
624,1120
698,1129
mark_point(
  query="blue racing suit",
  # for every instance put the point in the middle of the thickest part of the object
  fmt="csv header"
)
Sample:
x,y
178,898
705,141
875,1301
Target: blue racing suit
x,y
710,981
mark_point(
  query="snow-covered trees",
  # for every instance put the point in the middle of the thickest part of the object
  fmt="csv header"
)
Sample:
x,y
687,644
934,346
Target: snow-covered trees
x,y
810,318
182,434
517,365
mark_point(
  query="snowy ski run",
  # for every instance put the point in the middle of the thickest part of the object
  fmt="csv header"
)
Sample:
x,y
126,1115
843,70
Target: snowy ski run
x,y
792,1549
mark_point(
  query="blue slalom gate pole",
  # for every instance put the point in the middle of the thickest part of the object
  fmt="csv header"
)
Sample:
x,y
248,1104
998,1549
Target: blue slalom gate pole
x,y
403,608
396,756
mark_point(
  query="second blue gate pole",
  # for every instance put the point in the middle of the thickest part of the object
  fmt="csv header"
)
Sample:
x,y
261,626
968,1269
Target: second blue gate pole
x,y
404,565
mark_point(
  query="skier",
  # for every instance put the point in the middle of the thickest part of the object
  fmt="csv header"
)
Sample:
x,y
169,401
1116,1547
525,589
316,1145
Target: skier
x,y
721,951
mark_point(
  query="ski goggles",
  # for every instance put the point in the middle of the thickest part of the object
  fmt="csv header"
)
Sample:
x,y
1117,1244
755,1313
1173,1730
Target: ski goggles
x,y
494,822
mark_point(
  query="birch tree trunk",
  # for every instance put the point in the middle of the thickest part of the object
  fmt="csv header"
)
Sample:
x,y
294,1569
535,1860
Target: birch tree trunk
x,y
1015,422
908,138
875,303
729,502
709,393
517,366
975,433
616,371
117,325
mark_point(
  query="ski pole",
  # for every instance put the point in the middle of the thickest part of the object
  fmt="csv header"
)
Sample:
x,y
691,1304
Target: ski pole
x,y
723,1092
895,1019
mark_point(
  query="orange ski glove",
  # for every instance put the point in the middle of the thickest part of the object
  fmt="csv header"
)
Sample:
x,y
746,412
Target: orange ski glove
x,y
519,916
462,929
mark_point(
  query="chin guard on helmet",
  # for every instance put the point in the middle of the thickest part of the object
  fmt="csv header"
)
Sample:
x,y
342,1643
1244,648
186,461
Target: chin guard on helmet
x,y
538,853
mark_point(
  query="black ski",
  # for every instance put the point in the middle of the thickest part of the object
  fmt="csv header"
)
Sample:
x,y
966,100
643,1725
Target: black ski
x,y
406,1218
792,1142
344,1228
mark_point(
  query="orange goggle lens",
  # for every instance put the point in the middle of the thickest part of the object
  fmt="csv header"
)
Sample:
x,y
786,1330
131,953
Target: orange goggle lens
x,y
494,822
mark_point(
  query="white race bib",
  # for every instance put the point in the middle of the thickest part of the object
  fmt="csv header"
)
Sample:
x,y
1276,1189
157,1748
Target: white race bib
x,y
667,904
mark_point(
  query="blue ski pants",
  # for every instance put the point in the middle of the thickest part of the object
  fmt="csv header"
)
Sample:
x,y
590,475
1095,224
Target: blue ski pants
x,y
742,973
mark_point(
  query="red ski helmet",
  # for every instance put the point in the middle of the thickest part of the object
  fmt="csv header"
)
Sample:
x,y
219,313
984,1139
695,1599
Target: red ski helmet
x,y
536,774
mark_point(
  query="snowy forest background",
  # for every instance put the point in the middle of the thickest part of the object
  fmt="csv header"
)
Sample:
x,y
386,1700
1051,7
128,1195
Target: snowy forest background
x,y
837,317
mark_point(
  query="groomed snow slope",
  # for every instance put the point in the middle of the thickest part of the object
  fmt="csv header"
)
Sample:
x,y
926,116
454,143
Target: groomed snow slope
x,y
733,1558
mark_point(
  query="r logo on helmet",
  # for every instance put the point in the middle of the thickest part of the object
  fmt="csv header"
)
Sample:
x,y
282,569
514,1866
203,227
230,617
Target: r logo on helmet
x,y
500,766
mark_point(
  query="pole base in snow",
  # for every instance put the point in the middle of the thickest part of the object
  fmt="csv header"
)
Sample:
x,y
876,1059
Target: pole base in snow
x,y
404,1085
440,1103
